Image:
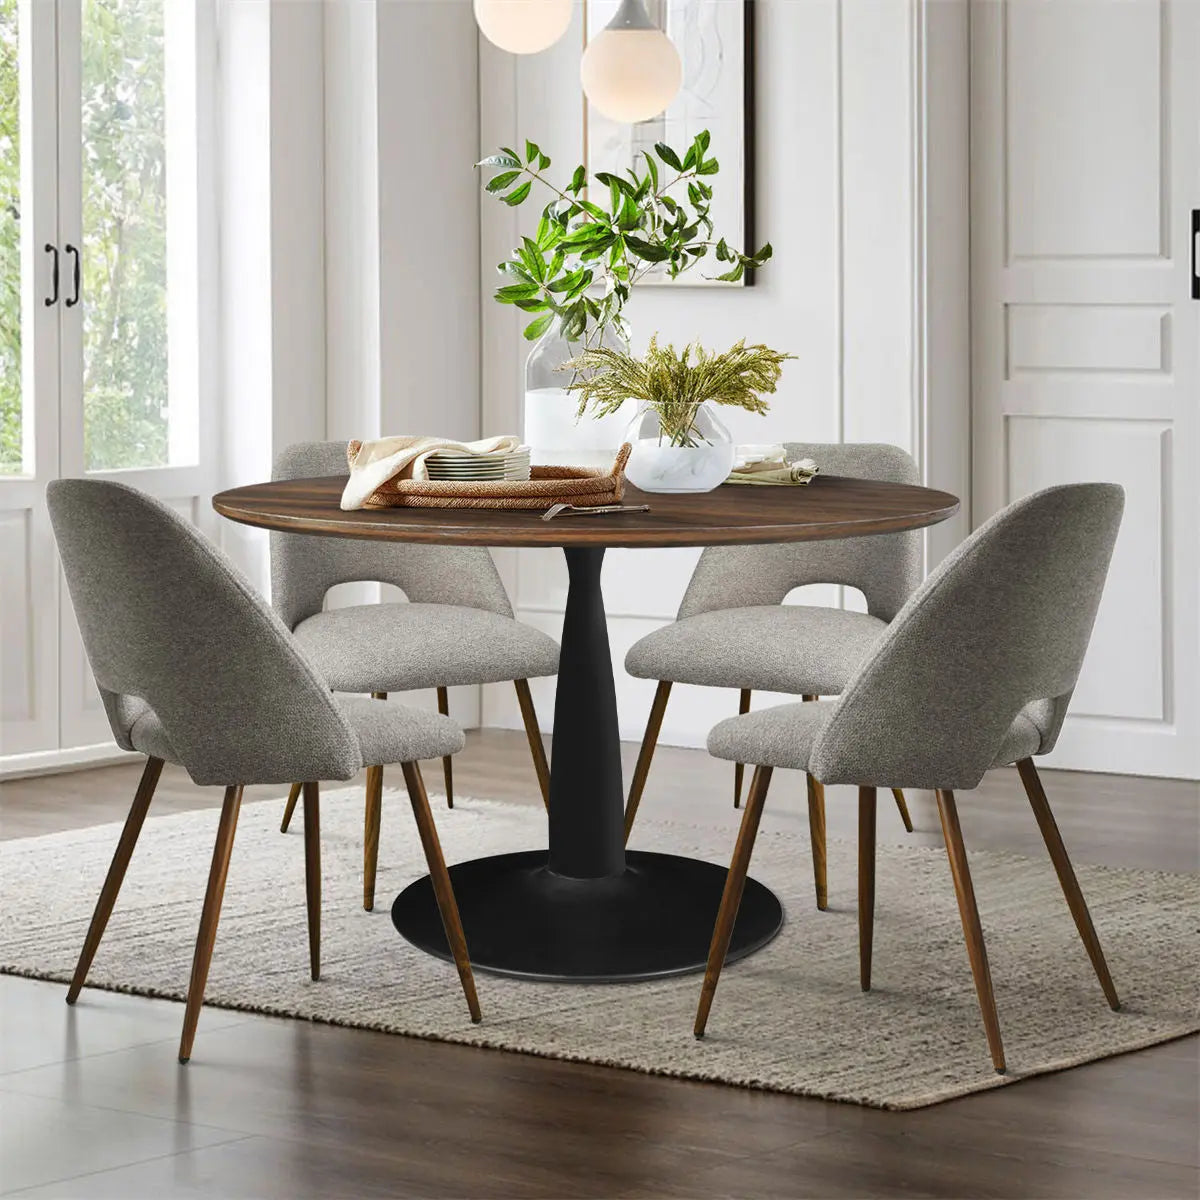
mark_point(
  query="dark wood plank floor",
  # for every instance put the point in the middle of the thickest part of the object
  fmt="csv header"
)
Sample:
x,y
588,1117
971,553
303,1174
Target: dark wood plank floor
x,y
92,1102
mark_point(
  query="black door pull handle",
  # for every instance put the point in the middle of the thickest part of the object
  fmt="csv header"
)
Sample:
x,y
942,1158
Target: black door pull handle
x,y
1196,253
75,275
53,297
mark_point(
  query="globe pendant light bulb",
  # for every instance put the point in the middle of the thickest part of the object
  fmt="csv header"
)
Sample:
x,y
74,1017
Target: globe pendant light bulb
x,y
631,70
523,26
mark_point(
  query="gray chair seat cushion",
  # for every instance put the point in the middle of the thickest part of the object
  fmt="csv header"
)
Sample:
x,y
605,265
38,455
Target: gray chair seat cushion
x,y
791,648
783,736
398,647
387,731
391,732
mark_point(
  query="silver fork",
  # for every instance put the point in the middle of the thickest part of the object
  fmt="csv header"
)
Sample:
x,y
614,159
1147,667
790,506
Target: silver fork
x,y
572,510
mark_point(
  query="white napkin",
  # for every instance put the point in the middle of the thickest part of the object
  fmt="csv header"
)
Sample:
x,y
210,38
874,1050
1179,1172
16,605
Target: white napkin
x,y
383,459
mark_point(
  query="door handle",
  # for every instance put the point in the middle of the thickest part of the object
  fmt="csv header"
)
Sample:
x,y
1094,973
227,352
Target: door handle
x,y
53,297
1196,253
75,275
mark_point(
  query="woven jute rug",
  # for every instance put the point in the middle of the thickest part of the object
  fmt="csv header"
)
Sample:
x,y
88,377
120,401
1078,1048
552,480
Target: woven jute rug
x,y
790,1018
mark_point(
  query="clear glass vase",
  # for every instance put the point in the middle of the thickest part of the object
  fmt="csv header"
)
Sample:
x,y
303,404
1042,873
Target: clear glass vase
x,y
694,460
551,430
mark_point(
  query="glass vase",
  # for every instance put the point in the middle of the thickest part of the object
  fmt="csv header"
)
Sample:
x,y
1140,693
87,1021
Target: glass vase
x,y
696,460
551,430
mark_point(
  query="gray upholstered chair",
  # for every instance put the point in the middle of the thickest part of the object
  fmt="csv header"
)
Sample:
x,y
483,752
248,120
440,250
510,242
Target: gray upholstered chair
x,y
458,627
734,631
976,671
194,668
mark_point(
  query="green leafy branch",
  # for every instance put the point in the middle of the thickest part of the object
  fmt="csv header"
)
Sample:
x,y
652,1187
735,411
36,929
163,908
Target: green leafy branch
x,y
673,384
584,259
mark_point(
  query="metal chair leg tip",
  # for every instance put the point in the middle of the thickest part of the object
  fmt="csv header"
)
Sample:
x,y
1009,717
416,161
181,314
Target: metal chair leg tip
x,y
183,1062
1001,1070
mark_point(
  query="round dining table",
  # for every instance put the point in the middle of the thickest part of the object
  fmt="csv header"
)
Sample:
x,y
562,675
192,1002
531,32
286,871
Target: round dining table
x,y
586,909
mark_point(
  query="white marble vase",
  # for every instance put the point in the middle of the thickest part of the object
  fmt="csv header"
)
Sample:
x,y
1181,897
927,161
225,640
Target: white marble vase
x,y
655,465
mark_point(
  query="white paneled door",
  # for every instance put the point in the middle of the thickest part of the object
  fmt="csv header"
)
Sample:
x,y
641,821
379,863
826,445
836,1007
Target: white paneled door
x,y
1085,166
99,363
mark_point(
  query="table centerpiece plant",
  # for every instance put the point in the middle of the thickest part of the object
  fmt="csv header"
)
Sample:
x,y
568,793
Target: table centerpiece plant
x,y
678,442
575,274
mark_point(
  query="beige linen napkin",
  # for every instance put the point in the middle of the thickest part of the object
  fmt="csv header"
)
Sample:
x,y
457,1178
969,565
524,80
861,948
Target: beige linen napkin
x,y
801,472
386,458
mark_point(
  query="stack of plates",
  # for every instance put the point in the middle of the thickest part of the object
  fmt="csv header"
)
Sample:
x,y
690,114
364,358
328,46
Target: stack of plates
x,y
448,464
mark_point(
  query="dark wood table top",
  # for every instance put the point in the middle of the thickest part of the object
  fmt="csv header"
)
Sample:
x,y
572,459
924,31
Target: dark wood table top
x,y
829,507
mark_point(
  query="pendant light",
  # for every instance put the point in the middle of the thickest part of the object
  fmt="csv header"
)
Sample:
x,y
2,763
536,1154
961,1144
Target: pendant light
x,y
523,26
631,70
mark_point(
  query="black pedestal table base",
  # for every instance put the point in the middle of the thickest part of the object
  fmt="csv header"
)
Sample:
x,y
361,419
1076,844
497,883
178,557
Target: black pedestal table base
x,y
585,910
654,919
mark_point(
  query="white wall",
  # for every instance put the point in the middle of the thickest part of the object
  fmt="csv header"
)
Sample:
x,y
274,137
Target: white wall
x,y
349,264
839,195
271,117
401,277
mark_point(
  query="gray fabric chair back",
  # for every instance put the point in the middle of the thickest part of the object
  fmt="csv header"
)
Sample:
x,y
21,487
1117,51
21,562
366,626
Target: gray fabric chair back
x,y
885,567
999,628
170,625
304,568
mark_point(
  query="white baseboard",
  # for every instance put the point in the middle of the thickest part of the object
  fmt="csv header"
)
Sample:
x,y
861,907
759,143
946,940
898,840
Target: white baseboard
x,y
52,762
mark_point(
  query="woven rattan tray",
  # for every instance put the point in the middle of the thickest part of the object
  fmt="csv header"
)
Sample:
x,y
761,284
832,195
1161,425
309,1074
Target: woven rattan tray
x,y
545,486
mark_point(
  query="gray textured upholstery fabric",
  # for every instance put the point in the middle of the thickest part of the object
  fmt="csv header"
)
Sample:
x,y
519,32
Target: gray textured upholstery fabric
x,y
783,736
387,732
885,567
393,647
735,598
304,567
792,648
977,668
190,659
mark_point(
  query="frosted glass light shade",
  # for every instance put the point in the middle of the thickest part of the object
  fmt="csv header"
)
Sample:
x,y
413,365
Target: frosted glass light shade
x,y
631,74
523,26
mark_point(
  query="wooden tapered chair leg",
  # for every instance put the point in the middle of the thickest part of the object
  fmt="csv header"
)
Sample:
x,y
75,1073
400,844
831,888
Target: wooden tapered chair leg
x,y
209,916
443,890
116,874
534,735
312,874
902,805
371,823
1066,877
968,911
731,899
866,883
290,807
646,753
740,768
443,698
816,832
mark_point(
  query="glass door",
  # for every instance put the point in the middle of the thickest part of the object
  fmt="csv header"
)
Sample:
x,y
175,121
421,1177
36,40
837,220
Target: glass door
x,y
30,286
100,361
128,143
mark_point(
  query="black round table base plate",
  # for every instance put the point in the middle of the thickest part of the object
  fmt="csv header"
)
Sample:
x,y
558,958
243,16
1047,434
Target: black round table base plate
x,y
522,920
